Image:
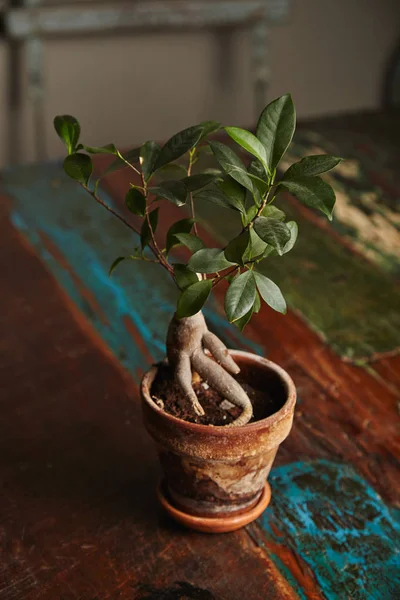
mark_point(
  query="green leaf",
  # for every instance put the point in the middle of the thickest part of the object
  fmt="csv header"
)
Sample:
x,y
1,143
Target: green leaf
x,y
115,264
249,142
273,213
209,260
204,150
174,191
276,127
257,302
107,149
68,130
182,226
145,235
191,241
136,202
79,167
251,213
294,230
234,191
209,127
132,156
184,276
193,298
257,169
195,182
149,153
240,296
172,170
313,192
270,293
213,194
178,145
243,321
231,164
309,166
272,232
256,246
236,249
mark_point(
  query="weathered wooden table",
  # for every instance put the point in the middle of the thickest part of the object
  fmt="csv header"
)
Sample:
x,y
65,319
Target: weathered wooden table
x,y
78,515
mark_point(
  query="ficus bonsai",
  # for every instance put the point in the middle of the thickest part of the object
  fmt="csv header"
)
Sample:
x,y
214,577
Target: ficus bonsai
x,y
171,173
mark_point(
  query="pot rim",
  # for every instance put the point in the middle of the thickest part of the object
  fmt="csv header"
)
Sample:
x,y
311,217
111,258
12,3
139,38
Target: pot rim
x,y
223,430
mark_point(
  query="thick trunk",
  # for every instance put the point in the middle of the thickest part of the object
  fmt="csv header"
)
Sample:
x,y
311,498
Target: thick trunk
x,y
186,341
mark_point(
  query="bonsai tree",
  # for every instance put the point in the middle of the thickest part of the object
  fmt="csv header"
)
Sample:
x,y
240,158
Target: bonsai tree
x,y
171,173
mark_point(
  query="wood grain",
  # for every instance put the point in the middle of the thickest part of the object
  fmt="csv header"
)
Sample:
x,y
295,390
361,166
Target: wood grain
x,y
79,518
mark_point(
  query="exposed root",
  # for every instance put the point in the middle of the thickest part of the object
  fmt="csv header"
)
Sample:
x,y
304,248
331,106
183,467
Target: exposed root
x,y
186,340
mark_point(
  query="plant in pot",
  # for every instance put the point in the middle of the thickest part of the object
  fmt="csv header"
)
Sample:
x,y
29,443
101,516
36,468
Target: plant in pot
x,y
217,415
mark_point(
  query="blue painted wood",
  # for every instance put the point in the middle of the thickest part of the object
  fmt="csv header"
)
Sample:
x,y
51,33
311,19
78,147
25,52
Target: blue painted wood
x,y
78,241
337,524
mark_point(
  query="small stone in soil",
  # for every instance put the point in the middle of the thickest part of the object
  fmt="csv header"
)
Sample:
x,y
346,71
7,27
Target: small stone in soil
x,y
218,410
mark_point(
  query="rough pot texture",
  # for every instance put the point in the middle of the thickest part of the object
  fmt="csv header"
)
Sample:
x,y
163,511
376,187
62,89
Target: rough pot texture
x,y
221,471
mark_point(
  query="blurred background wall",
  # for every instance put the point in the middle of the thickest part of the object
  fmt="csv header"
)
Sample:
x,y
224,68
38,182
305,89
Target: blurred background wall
x,y
330,55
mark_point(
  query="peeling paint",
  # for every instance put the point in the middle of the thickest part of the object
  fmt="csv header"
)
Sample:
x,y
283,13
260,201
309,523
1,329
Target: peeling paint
x,y
335,523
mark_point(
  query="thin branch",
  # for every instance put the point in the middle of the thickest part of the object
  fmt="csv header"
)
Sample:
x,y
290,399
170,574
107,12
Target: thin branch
x,y
158,253
189,172
125,222
111,210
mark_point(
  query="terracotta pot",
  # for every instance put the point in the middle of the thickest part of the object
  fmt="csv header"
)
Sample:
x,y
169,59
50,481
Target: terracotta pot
x,y
215,477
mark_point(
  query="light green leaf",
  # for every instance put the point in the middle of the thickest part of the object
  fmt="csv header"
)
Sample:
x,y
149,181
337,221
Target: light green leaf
x,y
149,153
174,191
310,166
294,230
68,130
209,127
257,169
256,246
243,321
182,226
270,293
234,191
240,296
251,213
272,232
257,302
115,264
209,260
231,164
248,141
195,182
184,276
275,129
145,235
136,202
107,149
215,195
79,167
191,241
273,213
178,145
193,298
313,192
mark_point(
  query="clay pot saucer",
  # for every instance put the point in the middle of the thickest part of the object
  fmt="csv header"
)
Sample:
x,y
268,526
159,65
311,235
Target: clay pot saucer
x,y
217,524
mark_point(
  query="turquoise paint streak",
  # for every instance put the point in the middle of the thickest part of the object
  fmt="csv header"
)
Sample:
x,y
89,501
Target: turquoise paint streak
x,y
45,200
339,526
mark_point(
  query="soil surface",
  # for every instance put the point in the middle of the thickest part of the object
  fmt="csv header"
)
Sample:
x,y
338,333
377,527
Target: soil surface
x,y
218,411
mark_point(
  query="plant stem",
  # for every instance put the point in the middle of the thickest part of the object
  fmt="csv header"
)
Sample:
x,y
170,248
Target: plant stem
x,y
161,258
127,224
189,172
111,210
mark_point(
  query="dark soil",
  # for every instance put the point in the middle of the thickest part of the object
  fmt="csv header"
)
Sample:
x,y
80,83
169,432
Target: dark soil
x,y
168,396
